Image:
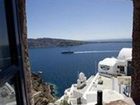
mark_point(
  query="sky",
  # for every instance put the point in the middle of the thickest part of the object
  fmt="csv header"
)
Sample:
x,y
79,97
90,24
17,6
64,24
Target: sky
x,y
79,19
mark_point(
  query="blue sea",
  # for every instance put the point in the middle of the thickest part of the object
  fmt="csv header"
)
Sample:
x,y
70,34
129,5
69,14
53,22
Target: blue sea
x,y
62,69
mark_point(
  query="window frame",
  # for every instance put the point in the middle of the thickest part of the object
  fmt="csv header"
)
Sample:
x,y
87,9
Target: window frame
x,y
15,71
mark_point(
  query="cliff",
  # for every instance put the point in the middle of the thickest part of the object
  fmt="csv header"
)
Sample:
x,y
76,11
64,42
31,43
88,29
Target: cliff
x,y
42,92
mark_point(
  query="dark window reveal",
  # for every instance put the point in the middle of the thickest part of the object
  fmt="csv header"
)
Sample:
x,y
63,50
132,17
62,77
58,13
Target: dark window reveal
x,y
121,69
104,67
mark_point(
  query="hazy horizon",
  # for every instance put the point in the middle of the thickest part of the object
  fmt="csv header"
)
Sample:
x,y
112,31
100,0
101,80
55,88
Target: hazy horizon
x,y
83,40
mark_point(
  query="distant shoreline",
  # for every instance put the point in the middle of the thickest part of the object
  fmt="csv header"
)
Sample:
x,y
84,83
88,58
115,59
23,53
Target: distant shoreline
x,y
50,42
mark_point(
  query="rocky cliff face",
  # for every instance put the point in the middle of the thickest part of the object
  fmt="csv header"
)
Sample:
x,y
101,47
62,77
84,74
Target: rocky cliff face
x,y
42,92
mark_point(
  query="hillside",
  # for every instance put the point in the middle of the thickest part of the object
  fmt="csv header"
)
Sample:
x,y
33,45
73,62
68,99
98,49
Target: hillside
x,y
50,42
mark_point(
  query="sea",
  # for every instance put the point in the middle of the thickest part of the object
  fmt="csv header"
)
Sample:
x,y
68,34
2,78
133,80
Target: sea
x,y
62,70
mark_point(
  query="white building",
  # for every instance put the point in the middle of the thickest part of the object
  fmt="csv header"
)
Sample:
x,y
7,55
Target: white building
x,y
112,78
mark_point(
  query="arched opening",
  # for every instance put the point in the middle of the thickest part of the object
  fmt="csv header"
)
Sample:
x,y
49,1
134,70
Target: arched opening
x,y
99,21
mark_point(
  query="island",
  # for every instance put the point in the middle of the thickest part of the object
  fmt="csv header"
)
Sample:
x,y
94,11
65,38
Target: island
x,y
52,42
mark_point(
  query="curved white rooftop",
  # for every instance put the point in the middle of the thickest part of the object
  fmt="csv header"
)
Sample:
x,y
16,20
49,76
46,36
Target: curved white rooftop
x,y
125,54
108,61
81,75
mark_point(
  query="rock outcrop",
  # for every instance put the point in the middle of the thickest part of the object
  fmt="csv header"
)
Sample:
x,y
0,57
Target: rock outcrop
x,y
42,92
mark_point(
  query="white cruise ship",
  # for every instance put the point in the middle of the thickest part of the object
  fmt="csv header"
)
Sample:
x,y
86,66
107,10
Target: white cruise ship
x,y
113,82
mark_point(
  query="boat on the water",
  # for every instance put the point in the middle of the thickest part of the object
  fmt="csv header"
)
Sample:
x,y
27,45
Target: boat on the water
x,y
113,79
67,52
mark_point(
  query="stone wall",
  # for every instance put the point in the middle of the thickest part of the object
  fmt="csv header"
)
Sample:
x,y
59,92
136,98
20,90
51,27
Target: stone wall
x,y
26,63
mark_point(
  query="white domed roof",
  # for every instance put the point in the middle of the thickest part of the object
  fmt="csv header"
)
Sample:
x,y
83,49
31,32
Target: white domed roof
x,y
82,76
125,54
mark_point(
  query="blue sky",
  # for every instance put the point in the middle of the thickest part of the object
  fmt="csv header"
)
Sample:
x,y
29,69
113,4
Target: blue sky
x,y
80,19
